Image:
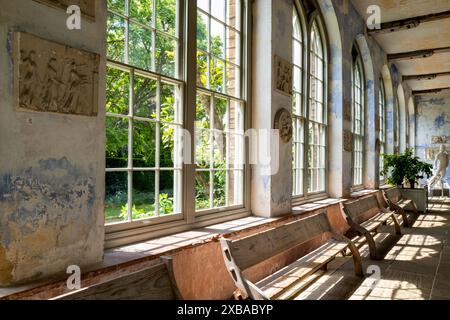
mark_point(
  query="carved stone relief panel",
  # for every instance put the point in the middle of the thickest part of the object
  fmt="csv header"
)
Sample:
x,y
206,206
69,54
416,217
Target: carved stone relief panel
x,y
87,7
348,141
51,77
439,139
283,75
283,122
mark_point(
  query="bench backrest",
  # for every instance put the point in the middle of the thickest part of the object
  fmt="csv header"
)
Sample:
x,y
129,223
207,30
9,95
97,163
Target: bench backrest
x,y
152,283
362,209
251,250
394,195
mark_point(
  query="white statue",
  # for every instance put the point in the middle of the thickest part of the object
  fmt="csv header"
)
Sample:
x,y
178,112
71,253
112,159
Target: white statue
x,y
440,166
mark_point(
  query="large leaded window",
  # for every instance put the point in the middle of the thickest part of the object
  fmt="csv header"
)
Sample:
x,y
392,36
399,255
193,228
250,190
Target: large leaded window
x,y
144,111
309,112
151,120
219,119
358,113
382,111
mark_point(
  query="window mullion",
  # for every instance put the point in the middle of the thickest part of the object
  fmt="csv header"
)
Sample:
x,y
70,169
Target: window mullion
x,y
130,147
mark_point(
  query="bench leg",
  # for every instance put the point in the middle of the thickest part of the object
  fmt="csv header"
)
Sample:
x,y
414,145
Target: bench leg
x,y
357,264
372,246
406,223
398,229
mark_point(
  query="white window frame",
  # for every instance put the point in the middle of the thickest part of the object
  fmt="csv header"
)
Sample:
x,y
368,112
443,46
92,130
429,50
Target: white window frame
x,y
382,136
118,234
305,195
358,131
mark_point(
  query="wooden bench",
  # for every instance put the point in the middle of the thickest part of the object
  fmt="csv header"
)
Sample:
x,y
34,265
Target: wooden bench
x,y
398,202
241,254
365,216
153,283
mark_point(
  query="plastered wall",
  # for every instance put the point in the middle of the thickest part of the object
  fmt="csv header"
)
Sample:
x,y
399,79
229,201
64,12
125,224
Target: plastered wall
x,y
51,165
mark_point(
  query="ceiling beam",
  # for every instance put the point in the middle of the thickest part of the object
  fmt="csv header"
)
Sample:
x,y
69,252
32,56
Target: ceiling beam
x,y
417,92
417,54
430,76
409,23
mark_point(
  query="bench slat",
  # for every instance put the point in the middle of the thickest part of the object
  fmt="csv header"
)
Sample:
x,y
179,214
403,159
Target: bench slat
x,y
251,250
362,209
277,283
149,284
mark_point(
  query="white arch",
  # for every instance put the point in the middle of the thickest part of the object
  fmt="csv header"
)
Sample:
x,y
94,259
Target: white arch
x,y
371,159
337,178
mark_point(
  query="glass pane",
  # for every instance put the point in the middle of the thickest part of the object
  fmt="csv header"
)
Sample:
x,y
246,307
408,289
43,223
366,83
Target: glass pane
x,y
220,114
235,188
166,16
203,148
203,4
218,9
144,144
202,31
140,47
236,153
169,103
116,197
145,97
143,195
166,55
233,13
233,46
167,145
297,53
117,91
202,69
236,124
220,150
142,11
116,5
233,83
297,85
167,196
202,114
116,38
298,108
217,39
202,189
217,72
116,142
220,183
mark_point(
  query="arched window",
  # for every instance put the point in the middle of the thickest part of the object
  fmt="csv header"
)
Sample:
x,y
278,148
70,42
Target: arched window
x,y
358,112
309,108
382,110
298,109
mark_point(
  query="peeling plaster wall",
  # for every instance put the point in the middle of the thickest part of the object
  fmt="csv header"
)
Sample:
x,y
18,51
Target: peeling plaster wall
x,y
433,119
51,166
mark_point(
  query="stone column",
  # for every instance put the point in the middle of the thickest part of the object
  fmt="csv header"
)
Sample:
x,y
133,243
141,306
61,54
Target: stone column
x,y
272,36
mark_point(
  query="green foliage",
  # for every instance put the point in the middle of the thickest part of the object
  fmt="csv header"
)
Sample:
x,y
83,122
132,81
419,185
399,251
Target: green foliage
x,y
161,60
404,166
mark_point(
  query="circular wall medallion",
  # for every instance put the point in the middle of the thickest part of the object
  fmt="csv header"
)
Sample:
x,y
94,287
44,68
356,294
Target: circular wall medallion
x,y
283,122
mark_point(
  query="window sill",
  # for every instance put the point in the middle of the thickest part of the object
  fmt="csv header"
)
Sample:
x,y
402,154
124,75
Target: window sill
x,y
143,253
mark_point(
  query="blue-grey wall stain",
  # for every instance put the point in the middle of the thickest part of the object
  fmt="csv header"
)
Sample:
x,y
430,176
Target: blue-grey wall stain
x,y
51,194
440,121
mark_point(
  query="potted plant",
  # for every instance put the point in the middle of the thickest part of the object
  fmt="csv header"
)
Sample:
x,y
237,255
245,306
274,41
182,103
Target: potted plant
x,y
401,169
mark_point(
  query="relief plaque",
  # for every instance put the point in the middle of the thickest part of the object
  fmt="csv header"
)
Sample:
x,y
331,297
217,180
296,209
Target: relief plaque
x,y
51,77
283,75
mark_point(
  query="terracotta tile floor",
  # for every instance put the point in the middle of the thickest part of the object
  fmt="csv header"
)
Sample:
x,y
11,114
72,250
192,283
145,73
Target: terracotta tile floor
x,y
416,265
